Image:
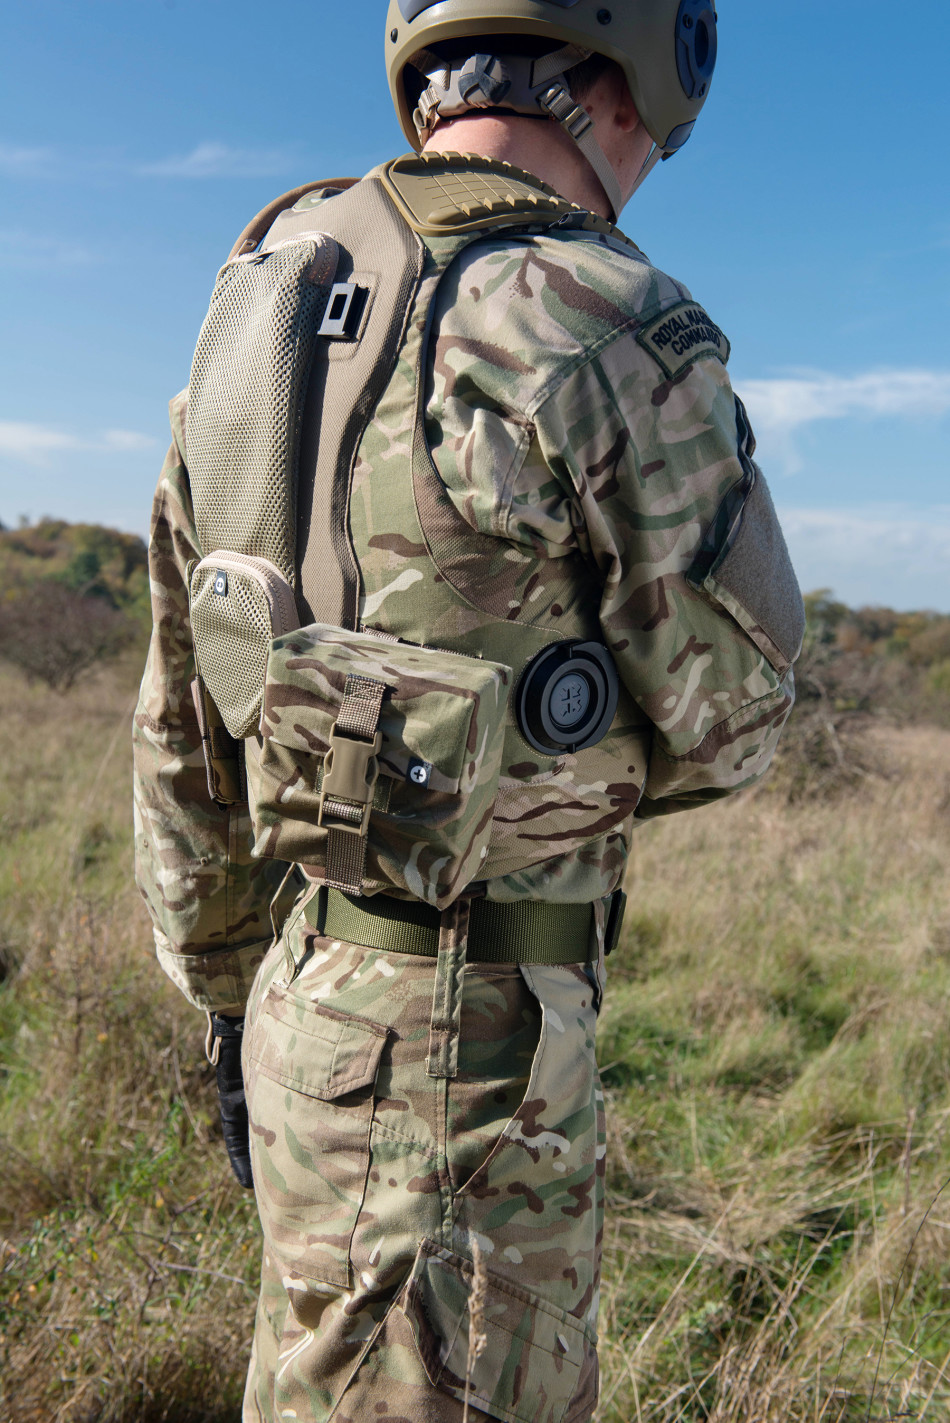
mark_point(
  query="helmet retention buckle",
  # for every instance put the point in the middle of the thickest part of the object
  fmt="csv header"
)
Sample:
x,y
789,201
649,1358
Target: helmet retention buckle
x,y
561,106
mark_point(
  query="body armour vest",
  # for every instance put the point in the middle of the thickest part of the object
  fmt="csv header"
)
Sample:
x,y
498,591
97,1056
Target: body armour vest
x,y
425,709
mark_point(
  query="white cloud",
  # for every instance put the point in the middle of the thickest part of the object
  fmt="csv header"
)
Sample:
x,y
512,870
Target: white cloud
x,y
19,161
780,408
219,160
793,401
40,252
887,554
34,444
127,440
206,160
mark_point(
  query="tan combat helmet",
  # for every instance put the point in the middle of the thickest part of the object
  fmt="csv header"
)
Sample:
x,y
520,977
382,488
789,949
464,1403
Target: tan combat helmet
x,y
666,49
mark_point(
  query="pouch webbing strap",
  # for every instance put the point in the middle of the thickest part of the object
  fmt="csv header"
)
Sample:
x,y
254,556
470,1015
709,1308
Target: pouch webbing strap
x,y
445,1023
223,755
346,860
359,713
357,722
530,931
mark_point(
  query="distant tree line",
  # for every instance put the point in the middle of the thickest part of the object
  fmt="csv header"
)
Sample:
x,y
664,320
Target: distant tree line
x,y
71,596
859,667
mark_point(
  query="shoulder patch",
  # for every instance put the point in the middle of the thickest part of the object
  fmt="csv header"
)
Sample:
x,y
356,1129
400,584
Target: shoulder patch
x,y
681,335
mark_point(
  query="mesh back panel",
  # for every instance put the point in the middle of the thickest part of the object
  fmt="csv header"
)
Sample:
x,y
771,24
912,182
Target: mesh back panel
x,y
232,637
248,383
378,249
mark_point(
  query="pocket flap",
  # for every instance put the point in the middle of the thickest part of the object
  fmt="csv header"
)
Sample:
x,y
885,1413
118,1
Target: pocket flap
x,y
529,1367
312,1049
442,710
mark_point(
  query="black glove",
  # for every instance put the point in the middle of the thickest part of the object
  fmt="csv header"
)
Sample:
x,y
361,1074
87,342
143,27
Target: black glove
x,y
227,1033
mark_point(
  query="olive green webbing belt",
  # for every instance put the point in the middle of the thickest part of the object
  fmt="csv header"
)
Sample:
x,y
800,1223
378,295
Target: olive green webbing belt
x,y
528,931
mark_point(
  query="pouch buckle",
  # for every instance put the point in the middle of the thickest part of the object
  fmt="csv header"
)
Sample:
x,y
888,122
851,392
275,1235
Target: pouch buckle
x,y
350,773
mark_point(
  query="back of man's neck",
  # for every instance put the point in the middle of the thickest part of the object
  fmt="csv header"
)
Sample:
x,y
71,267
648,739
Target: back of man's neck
x,y
536,145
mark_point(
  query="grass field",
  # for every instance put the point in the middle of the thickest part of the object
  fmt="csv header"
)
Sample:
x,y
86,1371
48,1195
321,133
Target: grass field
x,y
776,1050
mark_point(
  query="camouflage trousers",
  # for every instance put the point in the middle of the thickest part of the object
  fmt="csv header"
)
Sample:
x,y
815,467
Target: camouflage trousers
x,y
428,1151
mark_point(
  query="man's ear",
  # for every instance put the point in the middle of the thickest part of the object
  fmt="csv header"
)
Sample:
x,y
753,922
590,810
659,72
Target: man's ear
x,y
611,102
627,117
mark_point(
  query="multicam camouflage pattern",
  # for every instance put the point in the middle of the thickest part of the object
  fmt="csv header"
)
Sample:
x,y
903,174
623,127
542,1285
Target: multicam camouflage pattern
x,y
374,1180
208,897
562,483
532,474
441,723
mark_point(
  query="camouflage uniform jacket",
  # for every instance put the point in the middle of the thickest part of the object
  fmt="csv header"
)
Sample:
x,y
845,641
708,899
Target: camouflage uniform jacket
x,y
579,415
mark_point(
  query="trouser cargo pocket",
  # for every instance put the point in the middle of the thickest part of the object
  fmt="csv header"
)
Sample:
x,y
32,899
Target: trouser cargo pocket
x,y
310,1074
522,1356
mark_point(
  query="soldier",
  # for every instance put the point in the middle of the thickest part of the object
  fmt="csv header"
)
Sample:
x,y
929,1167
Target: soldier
x,y
462,570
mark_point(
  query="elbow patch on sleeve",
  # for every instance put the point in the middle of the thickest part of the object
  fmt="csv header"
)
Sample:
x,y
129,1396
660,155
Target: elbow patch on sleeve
x,y
744,564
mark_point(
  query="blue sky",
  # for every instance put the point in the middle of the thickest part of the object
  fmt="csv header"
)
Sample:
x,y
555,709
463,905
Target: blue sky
x,y
808,214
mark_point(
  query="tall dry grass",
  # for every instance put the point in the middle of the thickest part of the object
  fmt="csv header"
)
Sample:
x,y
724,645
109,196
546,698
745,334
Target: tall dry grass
x,y
127,1257
775,1048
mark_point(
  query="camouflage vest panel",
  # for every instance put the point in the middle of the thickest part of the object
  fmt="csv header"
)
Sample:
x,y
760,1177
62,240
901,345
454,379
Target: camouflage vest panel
x,y
427,577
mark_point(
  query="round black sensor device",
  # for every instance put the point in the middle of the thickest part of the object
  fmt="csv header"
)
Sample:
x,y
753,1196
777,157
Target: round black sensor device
x,y
567,697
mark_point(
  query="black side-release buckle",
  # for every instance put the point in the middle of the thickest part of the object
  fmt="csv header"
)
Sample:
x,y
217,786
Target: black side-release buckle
x,y
618,908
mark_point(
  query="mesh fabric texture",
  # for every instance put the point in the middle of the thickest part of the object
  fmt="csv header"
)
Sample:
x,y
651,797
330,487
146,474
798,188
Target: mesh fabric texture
x,y
233,632
380,252
246,395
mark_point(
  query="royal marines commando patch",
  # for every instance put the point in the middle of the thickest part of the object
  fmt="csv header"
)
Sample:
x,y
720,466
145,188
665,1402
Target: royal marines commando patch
x,y
681,335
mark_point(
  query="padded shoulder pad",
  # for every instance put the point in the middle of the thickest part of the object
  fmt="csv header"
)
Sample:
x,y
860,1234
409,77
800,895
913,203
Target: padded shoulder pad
x,y
444,194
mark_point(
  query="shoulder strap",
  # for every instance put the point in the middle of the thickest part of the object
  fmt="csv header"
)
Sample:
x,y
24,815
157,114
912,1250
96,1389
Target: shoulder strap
x,y
260,225
383,260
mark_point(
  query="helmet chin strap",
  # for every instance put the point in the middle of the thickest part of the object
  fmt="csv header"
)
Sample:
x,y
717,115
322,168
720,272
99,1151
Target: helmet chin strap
x,y
577,123
656,155
579,126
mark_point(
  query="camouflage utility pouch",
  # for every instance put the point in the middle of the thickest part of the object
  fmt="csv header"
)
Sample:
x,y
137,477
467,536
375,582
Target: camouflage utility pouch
x,y
239,604
379,762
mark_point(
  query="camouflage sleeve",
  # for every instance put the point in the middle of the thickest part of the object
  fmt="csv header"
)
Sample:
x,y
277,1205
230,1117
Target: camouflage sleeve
x,y
207,897
700,606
